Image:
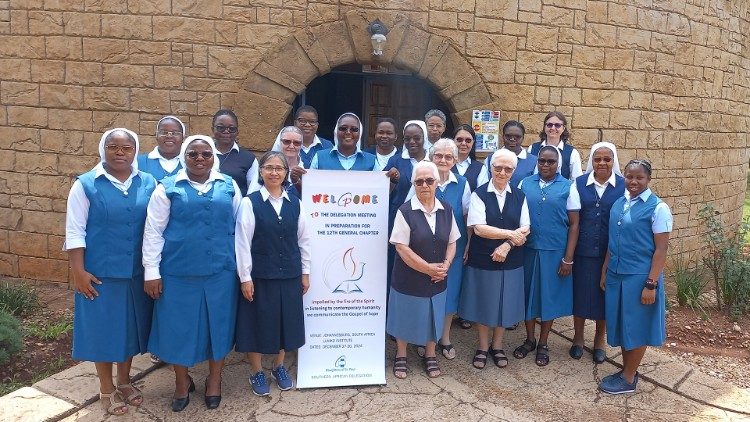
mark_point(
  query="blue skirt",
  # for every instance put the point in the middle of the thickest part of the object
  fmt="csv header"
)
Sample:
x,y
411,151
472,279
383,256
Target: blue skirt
x,y
417,320
194,318
493,298
548,296
631,324
588,297
455,278
274,320
115,325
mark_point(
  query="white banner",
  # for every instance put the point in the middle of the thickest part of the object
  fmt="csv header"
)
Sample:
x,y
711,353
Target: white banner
x,y
345,305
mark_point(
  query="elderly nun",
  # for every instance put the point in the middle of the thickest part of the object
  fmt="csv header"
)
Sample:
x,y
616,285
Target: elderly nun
x,y
103,234
163,160
289,143
190,271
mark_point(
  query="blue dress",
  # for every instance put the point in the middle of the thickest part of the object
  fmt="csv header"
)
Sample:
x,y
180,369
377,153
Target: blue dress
x,y
453,195
548,296
397,197
631,324
153,167
591,249
115,325
194,319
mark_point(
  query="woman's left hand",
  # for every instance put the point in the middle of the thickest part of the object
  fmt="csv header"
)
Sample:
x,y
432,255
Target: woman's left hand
x,y
565,269
648,297
393,175
305,283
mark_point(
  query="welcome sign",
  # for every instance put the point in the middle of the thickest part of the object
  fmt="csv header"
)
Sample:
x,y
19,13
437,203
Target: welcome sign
x,y
345,305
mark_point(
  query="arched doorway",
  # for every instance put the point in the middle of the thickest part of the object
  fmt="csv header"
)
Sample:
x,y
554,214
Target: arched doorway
x,y
370,93
267,96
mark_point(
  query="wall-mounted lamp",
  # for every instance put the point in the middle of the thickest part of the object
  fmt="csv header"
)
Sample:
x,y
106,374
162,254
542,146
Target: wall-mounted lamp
x,y
378,31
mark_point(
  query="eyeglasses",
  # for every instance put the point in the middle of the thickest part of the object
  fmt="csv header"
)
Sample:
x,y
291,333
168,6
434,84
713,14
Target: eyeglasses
x,y
126,149
222,129
600,159
513,137
547,162
503,169
463,140
429,181
438,156
165,134
193,155
288,142
273,169
436,126
554,125
305,122
352,129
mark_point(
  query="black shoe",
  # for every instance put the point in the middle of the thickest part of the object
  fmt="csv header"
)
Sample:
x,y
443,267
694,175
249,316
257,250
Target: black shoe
x,y
178,405
212,402
599,356
576,351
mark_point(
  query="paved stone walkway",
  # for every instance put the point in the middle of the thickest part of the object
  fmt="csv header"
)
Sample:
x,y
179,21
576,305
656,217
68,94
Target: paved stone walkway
x,y
565,390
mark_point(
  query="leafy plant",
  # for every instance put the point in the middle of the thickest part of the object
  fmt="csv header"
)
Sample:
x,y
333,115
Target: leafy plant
x,y
729,266
18,299
11,340
49,332
690,281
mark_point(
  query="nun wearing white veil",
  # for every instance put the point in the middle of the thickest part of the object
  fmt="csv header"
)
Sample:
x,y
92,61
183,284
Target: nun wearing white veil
x,y
190,270
346,153
598,189
103,234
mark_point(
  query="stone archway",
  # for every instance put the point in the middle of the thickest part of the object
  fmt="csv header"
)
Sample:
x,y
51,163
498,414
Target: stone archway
x,y
264,98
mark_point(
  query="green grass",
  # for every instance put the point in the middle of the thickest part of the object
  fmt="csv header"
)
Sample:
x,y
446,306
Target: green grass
x,y
746,209
51,331
18,299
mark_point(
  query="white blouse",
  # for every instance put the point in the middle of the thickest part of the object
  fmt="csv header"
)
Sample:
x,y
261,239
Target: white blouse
x,y
478,211
402,233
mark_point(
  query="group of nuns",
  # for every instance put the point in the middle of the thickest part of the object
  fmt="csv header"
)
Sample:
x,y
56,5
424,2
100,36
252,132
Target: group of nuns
x,y
198,247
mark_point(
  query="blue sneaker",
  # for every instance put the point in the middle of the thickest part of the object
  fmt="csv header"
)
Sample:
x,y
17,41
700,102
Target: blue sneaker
x,y
618,385
282,378
615,375
259,384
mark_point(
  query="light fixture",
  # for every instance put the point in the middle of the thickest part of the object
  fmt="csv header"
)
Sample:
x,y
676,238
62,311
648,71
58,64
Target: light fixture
x,y
378,31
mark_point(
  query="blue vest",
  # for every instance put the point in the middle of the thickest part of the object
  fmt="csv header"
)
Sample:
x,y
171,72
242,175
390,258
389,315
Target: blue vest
x,y
329,160
480,249
236,164
566,153
472,173
114,228
307,157
524,168
428,246
548,212
275,249
154,168
453,195
594,216
199,238
631,239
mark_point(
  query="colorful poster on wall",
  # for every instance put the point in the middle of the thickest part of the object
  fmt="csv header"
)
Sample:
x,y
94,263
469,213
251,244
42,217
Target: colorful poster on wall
x,y
345,305
486,124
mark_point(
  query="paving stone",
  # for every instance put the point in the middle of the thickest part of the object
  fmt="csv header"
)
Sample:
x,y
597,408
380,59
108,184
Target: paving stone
x,y
30,404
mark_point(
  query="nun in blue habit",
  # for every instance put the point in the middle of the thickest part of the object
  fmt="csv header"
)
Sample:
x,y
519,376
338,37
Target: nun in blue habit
x,y
633,278
190,270
103,233
548,257
163,160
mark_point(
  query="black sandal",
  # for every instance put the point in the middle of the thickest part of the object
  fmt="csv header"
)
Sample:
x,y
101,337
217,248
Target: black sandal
x,y
464,323
527,347
447,350
498,356
542,355
431,366
480,357
400,370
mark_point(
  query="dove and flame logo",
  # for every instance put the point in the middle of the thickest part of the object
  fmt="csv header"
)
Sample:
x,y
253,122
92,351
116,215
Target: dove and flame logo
x,y
342,272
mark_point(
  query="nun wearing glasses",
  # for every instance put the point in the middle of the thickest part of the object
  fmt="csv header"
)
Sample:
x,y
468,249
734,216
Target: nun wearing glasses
x,y
103,234
289,143
190,270
163,160
346,153
598,189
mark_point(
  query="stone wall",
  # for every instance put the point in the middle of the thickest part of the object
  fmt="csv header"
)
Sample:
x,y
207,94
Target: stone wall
x,y
666,80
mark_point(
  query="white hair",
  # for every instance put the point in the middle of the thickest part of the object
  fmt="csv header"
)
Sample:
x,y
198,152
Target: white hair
x,y
444,143
504,153
435,113
425,165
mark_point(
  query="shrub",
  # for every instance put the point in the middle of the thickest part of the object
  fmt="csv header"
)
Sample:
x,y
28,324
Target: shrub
x,y
18,299
729,266
689,280
10,336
